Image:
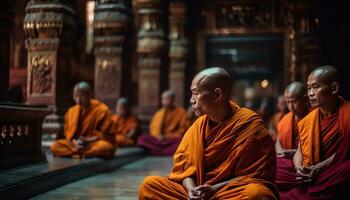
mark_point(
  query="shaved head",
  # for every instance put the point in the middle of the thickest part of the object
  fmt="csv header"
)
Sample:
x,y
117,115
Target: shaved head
x,y
123,101
83,86
215,77
327,73
323,87
123,107
82,94
211,92
168,99
168,93
296,89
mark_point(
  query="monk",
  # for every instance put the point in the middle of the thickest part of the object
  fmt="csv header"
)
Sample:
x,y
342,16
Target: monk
x,y
88,128
226,154
320,168
287,132
282,109
126,124
167,127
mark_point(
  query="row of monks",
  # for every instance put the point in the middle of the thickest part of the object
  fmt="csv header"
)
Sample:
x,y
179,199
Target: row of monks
x,y
228,152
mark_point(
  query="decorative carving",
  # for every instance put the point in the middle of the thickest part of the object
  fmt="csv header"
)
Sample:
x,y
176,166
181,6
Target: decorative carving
x,y
41,72
178,49
244,15
150,49
110,24
14,133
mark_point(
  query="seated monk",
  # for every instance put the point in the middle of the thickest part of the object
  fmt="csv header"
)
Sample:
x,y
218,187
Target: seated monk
x,y
126,125
167,127
226,154
287,132
88,128
282,109
320,168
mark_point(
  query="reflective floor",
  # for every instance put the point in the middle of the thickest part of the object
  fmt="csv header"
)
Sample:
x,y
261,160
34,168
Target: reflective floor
x,y
120,184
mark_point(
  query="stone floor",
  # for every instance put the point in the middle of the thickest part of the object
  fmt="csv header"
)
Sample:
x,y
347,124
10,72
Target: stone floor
x,y
120,184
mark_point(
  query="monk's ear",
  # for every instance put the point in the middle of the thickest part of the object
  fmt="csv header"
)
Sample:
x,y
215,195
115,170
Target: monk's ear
x,y
335,88
218,93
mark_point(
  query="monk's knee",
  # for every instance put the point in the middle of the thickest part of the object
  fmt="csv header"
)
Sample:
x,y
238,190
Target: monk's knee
x,y
150,181
257,191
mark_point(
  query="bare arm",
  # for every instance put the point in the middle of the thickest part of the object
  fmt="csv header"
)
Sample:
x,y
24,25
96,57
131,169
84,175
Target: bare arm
x,y
189,184
279,148
298,158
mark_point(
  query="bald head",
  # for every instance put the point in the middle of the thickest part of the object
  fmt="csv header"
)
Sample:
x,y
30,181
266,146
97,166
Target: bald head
x,y
211,91
215,77
123,107
168,99
296,89
296,99
82,94
323,87
327,73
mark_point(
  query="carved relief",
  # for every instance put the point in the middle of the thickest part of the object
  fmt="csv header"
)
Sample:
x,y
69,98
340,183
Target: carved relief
x,y
13,133
110,24
108,78
244,15
41,72
150,49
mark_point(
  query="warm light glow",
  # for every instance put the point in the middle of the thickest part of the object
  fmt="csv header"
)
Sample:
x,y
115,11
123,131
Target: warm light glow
x,y
264,83
90,6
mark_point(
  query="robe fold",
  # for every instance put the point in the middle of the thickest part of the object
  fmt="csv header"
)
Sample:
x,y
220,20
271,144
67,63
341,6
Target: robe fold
x,y
170,125
240,148
287,132
123,126
319,139
96,121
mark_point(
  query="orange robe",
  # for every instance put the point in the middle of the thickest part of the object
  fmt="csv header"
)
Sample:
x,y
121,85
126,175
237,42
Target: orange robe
x,y
287,131
240,148
122,127
96,121
319,139
169,123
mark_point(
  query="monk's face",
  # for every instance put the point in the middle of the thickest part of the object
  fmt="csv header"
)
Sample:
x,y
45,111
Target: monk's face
x,y
318,90
281,104
167,101
82,97
296,103
122,110
202,99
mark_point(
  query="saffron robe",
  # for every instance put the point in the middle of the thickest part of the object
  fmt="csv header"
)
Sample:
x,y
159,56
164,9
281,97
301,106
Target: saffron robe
x,y
171,125
240,148
320,139
96,121
287,132
122,128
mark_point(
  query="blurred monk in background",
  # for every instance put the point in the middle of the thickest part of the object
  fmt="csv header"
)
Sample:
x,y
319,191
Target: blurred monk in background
x,y
226,154
287,131
321,166
88,128
282,109
127,126
167,127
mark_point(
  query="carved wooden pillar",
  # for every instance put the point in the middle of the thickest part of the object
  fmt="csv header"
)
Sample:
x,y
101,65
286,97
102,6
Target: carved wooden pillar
x,y
49,26
150,49
178,50
5,33
110,23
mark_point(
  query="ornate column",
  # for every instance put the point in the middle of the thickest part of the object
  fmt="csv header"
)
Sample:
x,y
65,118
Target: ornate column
x,y
5,38
110,24
150,49
49,26
178,50
20,126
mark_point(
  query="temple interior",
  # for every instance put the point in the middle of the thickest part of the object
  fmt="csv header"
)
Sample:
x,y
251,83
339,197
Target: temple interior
x,y
137,50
